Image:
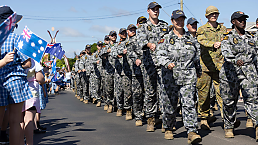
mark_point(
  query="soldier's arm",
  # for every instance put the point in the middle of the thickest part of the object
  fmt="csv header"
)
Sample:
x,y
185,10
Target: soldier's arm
x,y
202,39
226,48
161,54
196,59
142,36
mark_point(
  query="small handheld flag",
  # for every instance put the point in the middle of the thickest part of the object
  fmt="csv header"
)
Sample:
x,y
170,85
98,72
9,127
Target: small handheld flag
x,y
31,45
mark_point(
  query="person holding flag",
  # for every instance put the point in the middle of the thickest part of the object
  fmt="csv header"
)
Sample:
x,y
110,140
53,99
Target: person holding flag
x,y
13,79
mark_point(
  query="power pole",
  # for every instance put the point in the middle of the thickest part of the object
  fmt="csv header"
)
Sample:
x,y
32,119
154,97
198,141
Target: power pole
x,y
181,4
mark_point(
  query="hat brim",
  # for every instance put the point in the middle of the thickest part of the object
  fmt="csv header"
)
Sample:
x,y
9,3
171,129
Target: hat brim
x,y
193,22
155,6
18,18
212,13
176,17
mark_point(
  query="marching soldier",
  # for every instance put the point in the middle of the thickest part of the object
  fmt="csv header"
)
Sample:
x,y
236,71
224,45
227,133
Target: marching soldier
x,y
109,70
209,36
238,72
95,77
179,61
148,35
137,80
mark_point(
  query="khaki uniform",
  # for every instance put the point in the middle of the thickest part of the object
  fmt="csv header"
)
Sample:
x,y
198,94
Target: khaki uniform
x,y
211,61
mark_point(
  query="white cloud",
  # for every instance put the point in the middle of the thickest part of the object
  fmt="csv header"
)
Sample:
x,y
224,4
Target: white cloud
x,y
67,31
103,29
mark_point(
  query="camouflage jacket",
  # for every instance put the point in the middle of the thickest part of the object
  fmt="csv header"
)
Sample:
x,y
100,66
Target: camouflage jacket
x,y
235,47
76,65
211,58
108,62
183,53
85,63
131,48
149,33
97,67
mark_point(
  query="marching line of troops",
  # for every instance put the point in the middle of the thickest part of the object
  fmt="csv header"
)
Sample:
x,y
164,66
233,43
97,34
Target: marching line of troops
x,y
155,67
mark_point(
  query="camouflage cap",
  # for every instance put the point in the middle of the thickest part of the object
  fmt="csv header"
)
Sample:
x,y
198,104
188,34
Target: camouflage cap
x,y
121,30
238,14
88,46
131,26
99,43
153,5
210,10
112,32
141,19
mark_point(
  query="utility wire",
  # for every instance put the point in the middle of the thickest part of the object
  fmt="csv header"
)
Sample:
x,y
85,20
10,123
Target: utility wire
x,y
189,10
83,18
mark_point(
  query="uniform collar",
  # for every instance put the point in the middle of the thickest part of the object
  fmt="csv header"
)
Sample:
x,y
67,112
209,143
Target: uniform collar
x,y
212,28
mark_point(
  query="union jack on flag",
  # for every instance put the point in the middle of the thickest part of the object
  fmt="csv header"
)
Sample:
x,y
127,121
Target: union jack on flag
x,y
6,27
31,45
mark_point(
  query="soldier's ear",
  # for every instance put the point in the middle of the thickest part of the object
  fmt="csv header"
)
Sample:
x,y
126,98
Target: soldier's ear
x,y
233,21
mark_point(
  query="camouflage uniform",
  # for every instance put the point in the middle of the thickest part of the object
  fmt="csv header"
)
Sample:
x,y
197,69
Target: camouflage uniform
x,y
81,77
84,76
149,33
77,80
211,61
125,72
235,47
95,76
179,83
103,62
109,73
137,80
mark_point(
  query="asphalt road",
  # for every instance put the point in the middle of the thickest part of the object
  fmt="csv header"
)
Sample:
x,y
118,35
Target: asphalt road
x,y
70,122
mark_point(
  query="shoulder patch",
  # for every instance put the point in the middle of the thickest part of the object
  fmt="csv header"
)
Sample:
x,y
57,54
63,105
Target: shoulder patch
x,y
225,38
250,43
188,42
139,26
104,46
85,57
172,41
96,56
161,41
149,28
226,33
127,43
235,41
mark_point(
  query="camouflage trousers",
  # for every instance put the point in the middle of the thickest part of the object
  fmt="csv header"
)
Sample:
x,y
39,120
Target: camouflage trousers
x,y
79,84
230,95
102,86
95,87
137,94
150,88
122,91
169,95
72,83
109,88
85,86
76,84
203,85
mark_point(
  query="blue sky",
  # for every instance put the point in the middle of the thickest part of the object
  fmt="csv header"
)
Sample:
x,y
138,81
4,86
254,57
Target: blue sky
x,y
82,22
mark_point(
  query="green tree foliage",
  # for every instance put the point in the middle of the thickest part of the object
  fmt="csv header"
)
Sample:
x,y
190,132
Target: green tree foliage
x,y
94,47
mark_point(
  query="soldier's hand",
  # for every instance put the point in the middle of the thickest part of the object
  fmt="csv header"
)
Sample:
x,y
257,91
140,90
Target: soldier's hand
x,y
109,50
98,62
152,46
217,45
79,71
171,66
239,63
83,70
138,62
124,51
119,56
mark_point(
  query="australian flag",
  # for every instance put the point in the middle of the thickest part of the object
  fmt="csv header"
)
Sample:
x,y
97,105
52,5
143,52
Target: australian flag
x,y
55,49
6,27
31,45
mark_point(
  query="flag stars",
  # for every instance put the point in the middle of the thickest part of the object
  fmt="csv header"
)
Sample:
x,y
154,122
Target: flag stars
x,y
34,55
32,44
38,51
20,44
42,48
40,41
